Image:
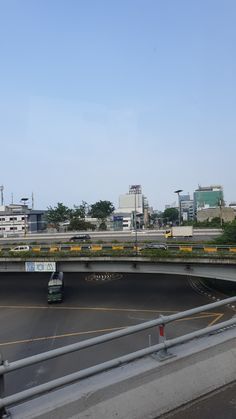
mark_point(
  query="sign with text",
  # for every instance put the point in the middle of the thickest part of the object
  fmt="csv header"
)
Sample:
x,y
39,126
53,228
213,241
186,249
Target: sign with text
x,y
40,266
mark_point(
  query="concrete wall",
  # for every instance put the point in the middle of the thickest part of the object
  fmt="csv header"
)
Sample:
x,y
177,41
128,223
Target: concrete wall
x,y
227,214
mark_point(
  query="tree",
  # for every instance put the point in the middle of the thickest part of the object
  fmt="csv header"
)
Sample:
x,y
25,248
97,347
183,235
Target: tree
x,y
58,214
229,233
77,218
101,209
80,224
170,214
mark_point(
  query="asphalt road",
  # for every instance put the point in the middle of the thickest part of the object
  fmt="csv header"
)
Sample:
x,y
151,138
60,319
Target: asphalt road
x,y
90,308
111,236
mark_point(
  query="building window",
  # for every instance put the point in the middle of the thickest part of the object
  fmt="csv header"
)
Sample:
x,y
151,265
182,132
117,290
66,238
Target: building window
x,y
2,219
13,228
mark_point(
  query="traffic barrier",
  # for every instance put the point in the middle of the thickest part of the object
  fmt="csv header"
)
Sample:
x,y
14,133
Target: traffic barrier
x,y
54,249
210,249
117,247
186,248
75,248
96,248
36,249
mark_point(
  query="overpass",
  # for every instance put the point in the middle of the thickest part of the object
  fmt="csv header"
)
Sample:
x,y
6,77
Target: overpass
x,y
206,267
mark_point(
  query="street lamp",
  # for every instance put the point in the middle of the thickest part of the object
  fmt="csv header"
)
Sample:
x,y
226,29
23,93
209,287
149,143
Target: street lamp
x,y
178,192
135,189
24,200
220,205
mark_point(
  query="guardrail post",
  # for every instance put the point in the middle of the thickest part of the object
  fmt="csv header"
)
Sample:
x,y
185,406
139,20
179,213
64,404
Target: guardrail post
x,y
163,353
3,412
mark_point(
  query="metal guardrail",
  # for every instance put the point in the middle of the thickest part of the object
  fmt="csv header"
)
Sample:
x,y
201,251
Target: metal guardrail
x,y
161,348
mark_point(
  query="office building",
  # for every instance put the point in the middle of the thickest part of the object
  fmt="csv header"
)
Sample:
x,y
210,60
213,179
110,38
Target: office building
x,y
208,197
131,205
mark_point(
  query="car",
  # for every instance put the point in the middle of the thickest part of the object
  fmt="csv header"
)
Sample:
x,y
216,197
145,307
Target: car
x,y
22,248
160,246
80,238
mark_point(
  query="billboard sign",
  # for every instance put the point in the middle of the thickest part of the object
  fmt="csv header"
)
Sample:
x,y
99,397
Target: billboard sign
x,y
40,266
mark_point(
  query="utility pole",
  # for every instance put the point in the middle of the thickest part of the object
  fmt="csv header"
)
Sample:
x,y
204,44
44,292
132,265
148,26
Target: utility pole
x,y
24,200
134,189
1,189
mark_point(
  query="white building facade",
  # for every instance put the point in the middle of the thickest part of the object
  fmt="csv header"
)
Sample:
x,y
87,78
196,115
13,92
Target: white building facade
x,y
19,219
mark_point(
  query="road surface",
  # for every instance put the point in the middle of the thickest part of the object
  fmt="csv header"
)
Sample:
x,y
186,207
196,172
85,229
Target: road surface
x,y
90,308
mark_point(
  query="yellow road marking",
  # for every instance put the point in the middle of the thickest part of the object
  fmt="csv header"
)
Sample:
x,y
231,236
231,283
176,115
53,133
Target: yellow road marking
x,y
133,310
220,315
59,336
202,316
86,308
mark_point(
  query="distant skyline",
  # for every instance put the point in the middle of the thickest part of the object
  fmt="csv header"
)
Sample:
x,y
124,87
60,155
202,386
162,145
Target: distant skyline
x,y
96,95
31,200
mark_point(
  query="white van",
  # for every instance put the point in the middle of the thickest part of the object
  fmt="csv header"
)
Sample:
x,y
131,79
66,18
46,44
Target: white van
x,y
22,248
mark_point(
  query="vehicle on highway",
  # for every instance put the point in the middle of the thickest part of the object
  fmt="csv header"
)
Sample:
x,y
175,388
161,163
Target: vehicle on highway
x,y
56,288
179,231
80,238
160,246
22,248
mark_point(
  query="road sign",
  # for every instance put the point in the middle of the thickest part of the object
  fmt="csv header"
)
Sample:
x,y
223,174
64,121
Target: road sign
x,y
40,266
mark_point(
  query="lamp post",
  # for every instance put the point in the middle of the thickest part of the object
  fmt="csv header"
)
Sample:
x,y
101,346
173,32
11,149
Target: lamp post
x,y
24,200
178,192
135,189
221,218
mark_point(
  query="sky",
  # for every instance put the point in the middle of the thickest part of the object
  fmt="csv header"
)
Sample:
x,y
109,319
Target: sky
x,y
97,95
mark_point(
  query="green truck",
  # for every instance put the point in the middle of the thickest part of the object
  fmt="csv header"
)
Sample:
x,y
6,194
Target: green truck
x,y
55,288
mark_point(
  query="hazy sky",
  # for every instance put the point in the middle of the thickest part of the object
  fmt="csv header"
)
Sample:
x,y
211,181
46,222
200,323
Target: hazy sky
x,y
96,95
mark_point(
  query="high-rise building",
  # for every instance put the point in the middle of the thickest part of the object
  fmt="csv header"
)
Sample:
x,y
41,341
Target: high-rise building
x,y
131,200
187,209
208,197
132,205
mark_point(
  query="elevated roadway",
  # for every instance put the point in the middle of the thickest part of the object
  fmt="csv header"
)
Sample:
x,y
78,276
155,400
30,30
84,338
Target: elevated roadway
x,y
215,267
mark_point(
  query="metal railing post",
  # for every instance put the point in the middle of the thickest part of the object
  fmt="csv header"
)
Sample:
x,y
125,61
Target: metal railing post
x,y
3,412
163,353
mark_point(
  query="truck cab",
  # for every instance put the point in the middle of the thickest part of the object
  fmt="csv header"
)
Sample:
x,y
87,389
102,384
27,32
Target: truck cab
x,y
168,234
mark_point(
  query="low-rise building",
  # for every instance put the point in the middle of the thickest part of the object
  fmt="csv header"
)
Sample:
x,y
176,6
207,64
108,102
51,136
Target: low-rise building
x,y
20,219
